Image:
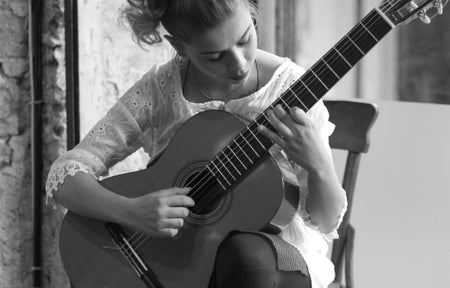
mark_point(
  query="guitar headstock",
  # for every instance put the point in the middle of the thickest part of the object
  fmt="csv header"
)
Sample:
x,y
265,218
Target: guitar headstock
x,y
404,11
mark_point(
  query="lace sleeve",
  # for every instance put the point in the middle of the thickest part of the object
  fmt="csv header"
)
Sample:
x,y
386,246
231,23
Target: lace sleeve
x,y
70,163
124,129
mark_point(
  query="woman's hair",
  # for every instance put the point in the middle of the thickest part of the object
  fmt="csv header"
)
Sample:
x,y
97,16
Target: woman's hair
x,y
181,18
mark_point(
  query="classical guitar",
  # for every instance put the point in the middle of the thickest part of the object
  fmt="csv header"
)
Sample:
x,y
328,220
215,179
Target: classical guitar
x,y
235,182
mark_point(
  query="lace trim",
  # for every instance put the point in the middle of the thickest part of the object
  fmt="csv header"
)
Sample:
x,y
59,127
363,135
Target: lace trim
x,y
60,170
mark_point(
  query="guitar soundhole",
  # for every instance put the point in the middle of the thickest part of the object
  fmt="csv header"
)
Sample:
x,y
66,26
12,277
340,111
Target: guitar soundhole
x,y
210,201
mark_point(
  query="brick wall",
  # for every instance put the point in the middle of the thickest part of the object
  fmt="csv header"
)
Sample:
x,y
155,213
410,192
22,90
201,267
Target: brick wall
x,y
16,217
15,198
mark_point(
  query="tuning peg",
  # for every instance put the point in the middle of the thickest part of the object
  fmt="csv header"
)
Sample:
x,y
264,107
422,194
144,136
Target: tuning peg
x,y
424,17
439,6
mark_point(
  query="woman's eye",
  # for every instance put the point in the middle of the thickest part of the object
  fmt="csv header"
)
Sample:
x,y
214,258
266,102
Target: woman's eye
x,y
215,58
245,42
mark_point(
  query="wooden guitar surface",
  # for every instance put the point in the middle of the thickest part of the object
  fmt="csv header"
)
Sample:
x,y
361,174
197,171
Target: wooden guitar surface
x,y
259,197
186,260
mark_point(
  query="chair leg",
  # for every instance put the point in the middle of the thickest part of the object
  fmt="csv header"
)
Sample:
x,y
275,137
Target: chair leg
x,y
350,239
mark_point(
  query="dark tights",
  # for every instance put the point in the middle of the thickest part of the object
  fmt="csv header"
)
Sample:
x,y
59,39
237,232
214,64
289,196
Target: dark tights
x,y
248,261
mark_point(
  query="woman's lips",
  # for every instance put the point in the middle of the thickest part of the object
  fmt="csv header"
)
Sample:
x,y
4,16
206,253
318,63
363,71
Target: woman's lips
x,y
239,77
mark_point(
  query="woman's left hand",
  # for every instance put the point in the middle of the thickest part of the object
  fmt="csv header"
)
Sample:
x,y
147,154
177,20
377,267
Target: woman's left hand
x,y
299,137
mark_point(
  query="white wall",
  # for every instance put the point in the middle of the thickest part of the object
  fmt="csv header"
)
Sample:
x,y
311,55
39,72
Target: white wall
x,y
402,201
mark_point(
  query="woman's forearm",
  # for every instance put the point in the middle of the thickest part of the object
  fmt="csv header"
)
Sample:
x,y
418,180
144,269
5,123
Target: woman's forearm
x,y
326,198
83,195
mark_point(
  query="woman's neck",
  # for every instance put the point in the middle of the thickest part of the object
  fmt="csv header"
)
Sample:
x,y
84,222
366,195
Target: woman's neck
x,y
212,89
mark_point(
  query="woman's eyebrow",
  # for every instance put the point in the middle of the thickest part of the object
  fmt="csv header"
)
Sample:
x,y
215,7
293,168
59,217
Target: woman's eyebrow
x,y
215,52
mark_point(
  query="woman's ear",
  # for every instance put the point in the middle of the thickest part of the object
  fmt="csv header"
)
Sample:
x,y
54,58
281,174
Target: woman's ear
x,y
177,45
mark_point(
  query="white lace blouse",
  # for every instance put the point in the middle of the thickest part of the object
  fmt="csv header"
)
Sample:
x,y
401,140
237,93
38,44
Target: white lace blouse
x,y
149,114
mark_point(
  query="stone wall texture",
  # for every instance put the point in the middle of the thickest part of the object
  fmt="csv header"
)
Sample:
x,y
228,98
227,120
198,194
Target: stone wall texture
x,y
15,197
16,217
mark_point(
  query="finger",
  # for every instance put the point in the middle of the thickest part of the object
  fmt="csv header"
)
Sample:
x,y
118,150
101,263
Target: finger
x,y
167,232
172,191
287,119
299,116
179,201
174,223
279,126
272,135
177,212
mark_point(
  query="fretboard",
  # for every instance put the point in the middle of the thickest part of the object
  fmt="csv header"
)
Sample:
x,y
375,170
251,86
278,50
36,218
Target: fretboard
x,y
250,145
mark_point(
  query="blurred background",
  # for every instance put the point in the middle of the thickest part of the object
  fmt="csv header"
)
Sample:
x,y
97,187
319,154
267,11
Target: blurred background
x,y
402,198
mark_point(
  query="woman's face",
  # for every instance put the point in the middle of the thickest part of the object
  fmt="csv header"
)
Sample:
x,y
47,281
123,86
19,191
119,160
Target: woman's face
x,y
226,53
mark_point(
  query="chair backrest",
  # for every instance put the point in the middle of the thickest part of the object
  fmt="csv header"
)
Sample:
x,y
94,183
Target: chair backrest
x,y
353,120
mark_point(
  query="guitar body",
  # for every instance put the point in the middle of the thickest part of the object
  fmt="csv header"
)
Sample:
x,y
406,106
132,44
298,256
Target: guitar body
x,y
260,198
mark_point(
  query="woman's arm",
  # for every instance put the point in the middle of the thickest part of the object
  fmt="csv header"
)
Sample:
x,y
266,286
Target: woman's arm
x,y
303,142
158,214
326,199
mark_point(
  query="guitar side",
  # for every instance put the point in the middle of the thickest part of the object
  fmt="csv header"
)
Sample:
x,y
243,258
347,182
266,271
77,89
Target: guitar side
x,y
263,196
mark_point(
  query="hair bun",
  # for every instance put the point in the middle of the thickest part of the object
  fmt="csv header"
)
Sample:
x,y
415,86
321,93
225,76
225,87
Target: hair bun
x,y
144,18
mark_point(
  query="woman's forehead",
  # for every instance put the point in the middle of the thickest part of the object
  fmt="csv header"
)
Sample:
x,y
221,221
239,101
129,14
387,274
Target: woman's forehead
x,y
225,35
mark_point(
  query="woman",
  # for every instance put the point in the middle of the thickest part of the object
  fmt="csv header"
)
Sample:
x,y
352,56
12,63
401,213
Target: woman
x,y
218,66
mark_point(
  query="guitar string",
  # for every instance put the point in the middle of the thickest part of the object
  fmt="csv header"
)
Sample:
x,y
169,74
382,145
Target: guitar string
x,y
307,82
294,99
243,144
288,100
301,90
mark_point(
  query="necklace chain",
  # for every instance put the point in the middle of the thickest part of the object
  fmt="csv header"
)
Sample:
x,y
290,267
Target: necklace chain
x,y
229,95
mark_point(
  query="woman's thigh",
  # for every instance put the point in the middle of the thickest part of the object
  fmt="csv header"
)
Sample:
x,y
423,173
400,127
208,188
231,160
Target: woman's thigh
x,y
248,260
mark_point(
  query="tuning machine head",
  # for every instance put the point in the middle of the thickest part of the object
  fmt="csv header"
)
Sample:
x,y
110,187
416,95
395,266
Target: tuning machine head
x,y
437,9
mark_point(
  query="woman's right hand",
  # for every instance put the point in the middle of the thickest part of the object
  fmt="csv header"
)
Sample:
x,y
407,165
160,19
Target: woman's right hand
x,y
159,214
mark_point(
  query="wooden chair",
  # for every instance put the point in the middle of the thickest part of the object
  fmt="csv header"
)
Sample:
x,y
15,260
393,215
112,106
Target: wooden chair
x,y
353,120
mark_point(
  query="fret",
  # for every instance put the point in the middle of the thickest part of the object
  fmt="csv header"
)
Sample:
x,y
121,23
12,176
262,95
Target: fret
x,y
306,97
257,140
220,172
266,121
303,93
354,44
368,31
339,67
312,71
378,28
315,85
251,147
343,58
301,81
331,69
286,105
225,166
325,73
235,156
351,55
388,21
217,178
243,151
299,100
363,40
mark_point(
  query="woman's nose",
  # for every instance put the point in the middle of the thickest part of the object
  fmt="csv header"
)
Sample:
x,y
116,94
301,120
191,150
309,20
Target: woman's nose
x,y
237,60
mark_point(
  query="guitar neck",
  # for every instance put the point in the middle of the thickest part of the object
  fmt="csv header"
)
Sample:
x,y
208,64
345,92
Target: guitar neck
x,y
250,145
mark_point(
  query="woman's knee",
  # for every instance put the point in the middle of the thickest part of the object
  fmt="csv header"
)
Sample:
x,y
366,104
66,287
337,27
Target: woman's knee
x,y
247,250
